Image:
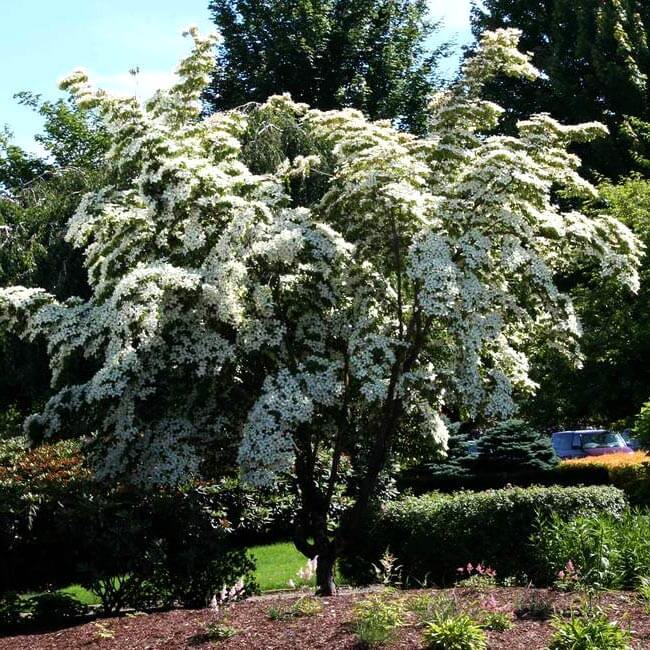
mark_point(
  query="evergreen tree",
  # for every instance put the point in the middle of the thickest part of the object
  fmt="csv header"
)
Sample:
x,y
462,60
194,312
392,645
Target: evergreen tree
x,y
514,446
595,62
367,54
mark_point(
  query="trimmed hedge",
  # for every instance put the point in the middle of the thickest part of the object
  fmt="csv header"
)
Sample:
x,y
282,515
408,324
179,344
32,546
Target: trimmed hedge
x,y
632,478
433,535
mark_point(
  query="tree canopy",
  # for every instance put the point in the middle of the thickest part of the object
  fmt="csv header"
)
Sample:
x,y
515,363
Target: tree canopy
x,y
367,54
595,62
364,289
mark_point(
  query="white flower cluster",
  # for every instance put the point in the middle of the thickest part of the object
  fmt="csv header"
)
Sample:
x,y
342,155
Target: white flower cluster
x,y
223,308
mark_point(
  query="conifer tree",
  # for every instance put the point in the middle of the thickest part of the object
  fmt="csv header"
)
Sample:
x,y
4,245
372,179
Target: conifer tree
x,y
514,446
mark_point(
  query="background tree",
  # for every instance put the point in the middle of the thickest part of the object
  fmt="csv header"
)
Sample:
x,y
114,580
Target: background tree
x,y
595,62
315,331
38,195
369,54
611,383
514,446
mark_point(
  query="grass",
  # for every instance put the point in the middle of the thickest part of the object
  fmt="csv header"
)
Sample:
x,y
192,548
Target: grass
x,y
276,565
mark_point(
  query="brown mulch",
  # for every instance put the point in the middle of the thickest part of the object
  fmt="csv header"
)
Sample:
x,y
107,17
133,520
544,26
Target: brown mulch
x,y
330,629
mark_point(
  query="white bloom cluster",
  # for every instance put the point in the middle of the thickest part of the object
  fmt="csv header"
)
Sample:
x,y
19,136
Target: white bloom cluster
x,y
222,307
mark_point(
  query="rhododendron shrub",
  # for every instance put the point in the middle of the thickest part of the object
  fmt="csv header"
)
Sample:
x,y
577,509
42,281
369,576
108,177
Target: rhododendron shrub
x,y
316,332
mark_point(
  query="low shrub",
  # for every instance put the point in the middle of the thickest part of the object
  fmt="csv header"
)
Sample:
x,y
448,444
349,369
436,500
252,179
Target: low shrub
x,y
628,472
430,608
590,631
433,535
495,621
534,606
604,552
54,608
377,620
459,632
11,608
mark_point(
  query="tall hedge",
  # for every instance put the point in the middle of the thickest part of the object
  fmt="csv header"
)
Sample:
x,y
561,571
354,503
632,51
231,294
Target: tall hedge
x,y
433,535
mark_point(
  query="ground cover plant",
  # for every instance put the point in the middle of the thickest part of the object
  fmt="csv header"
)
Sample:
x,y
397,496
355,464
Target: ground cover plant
x,y
326,286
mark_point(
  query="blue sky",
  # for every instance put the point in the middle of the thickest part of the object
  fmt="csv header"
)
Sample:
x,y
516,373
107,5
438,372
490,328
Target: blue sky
x,y
43,40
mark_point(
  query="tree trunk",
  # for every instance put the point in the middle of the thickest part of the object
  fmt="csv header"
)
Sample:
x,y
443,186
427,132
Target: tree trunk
x,y
325,585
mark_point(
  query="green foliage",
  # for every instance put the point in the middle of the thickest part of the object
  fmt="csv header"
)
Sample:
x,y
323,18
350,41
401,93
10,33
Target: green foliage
x,y
430,607
377,620
54,608
534,605
644,591
612,385
601,552
305,606
219,631
458,632
435,534
369,54
132,549
594,60
38,195
588,631
496,621
514,446
642,425
11,608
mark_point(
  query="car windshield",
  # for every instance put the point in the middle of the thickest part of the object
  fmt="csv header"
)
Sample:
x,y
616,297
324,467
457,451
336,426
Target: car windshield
x,y
602,439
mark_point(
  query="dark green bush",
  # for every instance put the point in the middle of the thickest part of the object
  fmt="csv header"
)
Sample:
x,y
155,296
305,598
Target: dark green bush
x,y
54,608
433,535
604,552
514,446
11,607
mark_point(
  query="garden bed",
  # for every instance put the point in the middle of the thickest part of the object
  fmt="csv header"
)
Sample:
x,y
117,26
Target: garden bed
x,y
330,628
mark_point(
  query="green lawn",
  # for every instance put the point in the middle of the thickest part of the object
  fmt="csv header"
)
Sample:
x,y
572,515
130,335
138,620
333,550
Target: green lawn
x,y
276,565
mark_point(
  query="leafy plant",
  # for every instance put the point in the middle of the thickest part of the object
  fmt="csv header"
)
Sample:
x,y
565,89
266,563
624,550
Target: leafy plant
x,y
599,552
535,605
11,608
429,607
588,632
644,591
305,606
54,608
495,621
458,632
377,620
219,631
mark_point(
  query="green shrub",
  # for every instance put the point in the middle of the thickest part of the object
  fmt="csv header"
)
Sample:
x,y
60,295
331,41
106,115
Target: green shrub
x,y
496,621
11,608
642,425
534,606
455,633
602,552
433,535
590,631
54,608
514,446
377,620
430,608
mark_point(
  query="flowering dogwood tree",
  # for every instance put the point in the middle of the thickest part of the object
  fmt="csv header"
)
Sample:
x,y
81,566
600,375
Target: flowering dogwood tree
x,y
316,333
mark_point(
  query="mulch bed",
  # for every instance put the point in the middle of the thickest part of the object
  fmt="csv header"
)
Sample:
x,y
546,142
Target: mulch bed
x,y
329,629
